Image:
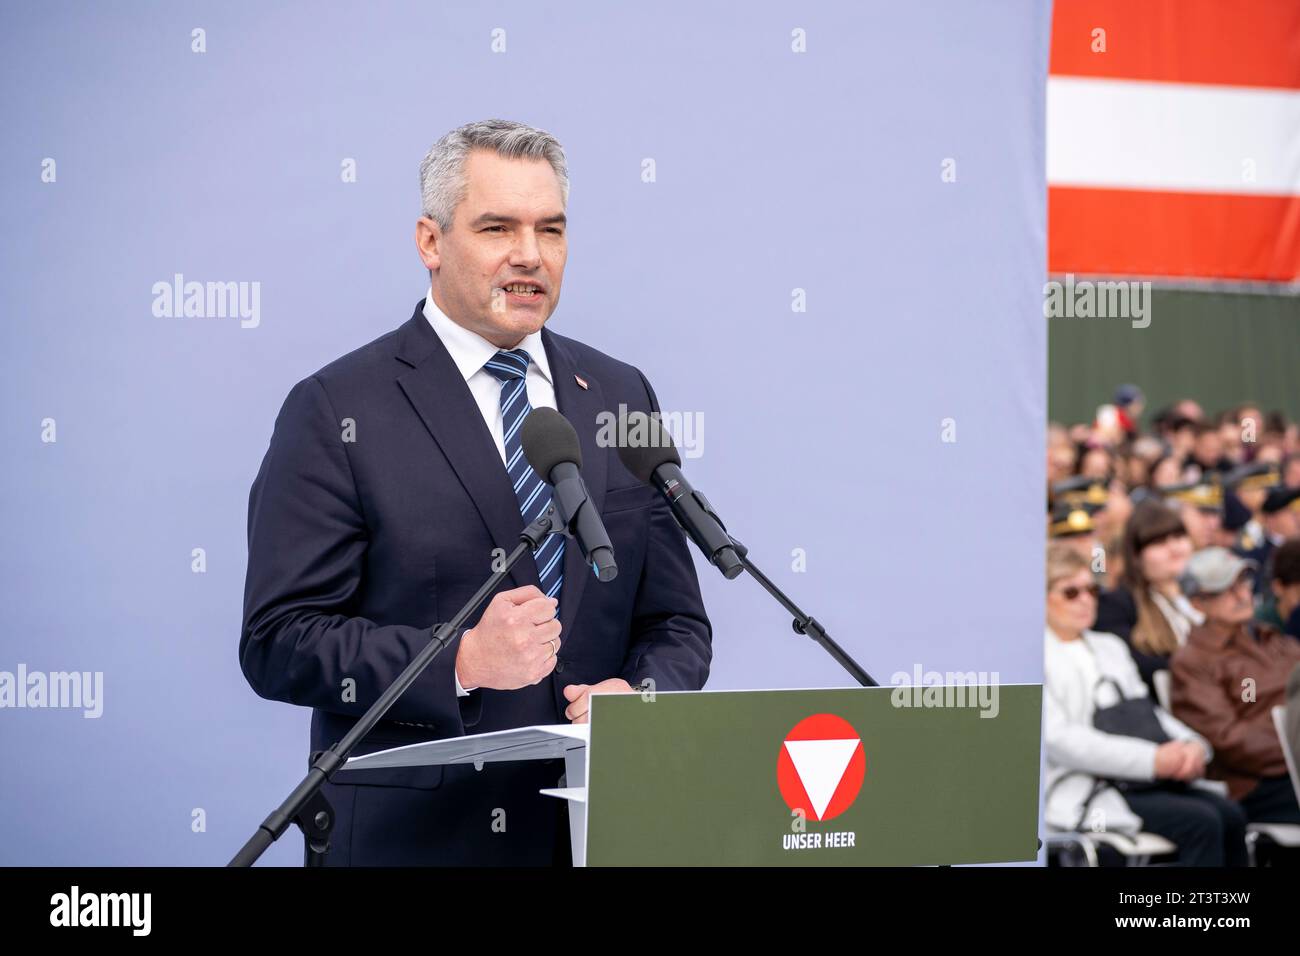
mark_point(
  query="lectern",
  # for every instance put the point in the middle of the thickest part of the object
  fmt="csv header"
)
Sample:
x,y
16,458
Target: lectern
x,y
890,776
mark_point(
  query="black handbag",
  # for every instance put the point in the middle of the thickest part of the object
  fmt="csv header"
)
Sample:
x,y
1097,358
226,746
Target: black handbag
x,y
1133,717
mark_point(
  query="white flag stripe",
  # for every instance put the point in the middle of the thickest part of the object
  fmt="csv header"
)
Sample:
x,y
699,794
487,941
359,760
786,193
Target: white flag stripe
x,y
1126,134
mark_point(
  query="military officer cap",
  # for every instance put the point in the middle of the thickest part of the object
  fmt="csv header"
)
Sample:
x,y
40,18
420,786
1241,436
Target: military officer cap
x,y
1081,491
1282,497
1256,474
1206,494
1068,520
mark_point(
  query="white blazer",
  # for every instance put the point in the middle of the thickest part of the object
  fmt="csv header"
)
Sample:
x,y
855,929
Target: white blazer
x,y
1076,751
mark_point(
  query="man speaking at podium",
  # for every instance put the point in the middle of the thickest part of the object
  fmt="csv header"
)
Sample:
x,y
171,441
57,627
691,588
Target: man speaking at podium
x,y
392,475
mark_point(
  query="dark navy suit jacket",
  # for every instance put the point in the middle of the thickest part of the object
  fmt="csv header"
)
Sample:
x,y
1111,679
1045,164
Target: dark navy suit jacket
x,y
356,548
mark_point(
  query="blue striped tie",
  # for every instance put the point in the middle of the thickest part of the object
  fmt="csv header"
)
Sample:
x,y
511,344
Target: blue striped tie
x,y
534,494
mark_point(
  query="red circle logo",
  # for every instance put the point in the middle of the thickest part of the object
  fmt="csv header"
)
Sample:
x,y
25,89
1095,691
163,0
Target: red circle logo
x,y
821,766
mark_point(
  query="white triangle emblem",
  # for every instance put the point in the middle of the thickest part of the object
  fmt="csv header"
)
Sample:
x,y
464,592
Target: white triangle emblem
x,y
821,765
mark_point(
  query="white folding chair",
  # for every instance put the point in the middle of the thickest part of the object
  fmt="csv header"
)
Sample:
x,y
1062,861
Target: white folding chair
x,y
1283,834
1137,850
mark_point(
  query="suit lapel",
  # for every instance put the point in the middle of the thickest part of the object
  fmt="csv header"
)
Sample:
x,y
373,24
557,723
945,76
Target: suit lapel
x,y
580,406
442,399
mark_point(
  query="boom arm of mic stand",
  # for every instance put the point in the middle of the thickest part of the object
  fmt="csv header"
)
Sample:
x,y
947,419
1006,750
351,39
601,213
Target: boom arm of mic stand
x,y
802,623
306,805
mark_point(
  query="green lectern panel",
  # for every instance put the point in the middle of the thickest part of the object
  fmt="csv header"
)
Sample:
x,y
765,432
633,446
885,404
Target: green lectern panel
x,y
862,776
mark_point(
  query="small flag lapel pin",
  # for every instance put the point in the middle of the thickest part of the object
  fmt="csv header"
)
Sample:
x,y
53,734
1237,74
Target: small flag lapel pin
x,y
582,382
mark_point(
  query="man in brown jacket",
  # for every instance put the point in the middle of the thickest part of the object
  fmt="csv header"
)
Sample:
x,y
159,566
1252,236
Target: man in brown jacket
x,y
1227,680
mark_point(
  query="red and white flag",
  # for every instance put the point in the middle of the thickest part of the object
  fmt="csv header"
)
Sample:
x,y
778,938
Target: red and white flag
x,y
1173,139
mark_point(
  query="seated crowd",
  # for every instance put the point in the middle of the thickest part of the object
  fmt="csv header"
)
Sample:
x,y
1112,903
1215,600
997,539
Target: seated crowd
x,y
1173,629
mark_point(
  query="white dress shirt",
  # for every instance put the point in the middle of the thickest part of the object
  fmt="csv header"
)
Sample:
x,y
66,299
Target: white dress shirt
x,y
470,351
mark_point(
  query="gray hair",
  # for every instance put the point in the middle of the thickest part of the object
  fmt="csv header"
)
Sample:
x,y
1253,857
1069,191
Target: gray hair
x,y
442,171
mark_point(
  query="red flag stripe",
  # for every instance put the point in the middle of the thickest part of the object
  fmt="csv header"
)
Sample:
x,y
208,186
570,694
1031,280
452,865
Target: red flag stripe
x,y
1174,234
1237,43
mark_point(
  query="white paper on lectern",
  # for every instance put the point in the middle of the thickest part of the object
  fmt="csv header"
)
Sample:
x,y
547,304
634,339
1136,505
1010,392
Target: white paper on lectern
x,y
576,794
542,742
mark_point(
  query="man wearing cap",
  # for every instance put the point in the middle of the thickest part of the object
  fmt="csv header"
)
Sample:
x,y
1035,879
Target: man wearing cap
x,y
1281,515
1279,522
1200,505
1103,503
1072,525
1246,488
1227,680
1245,491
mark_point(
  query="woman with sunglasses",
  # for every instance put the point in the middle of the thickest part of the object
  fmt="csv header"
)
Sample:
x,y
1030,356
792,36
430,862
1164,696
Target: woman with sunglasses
x,y
1148,609
1120,783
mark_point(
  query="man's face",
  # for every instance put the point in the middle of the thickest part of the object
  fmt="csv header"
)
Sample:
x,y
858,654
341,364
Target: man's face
x,y
1182,440
1209,447
1202,526
1252,498
1288,597
1060,462
1230,438
1166,472
1229,608
509,229
1096,464
1291,476
1284,523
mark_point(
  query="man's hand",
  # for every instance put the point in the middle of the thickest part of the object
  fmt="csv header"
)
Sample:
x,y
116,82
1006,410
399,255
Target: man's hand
x,y
579,696
514,643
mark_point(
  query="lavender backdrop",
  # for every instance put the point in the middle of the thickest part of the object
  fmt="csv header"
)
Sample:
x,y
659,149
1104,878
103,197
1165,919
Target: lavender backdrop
x,y
776,170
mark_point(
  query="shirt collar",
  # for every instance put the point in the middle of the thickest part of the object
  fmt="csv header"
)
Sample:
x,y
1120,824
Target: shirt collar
x,y
470,351
1179,604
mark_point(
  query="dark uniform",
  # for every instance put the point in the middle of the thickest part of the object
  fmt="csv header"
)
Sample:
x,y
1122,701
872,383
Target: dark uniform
x,y
1279,497
1250,541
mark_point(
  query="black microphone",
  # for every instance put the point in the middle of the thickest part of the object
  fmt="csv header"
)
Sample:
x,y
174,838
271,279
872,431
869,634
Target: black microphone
x,y
551,447
657,463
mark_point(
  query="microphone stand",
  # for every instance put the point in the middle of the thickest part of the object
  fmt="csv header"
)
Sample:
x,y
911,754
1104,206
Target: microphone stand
x,y
802,623
306,805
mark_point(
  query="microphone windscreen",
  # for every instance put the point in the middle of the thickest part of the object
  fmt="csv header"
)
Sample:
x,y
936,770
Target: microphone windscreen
x,y
644,445
548,439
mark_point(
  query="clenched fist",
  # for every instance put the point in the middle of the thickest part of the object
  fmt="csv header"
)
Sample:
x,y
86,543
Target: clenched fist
x,y
513,644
